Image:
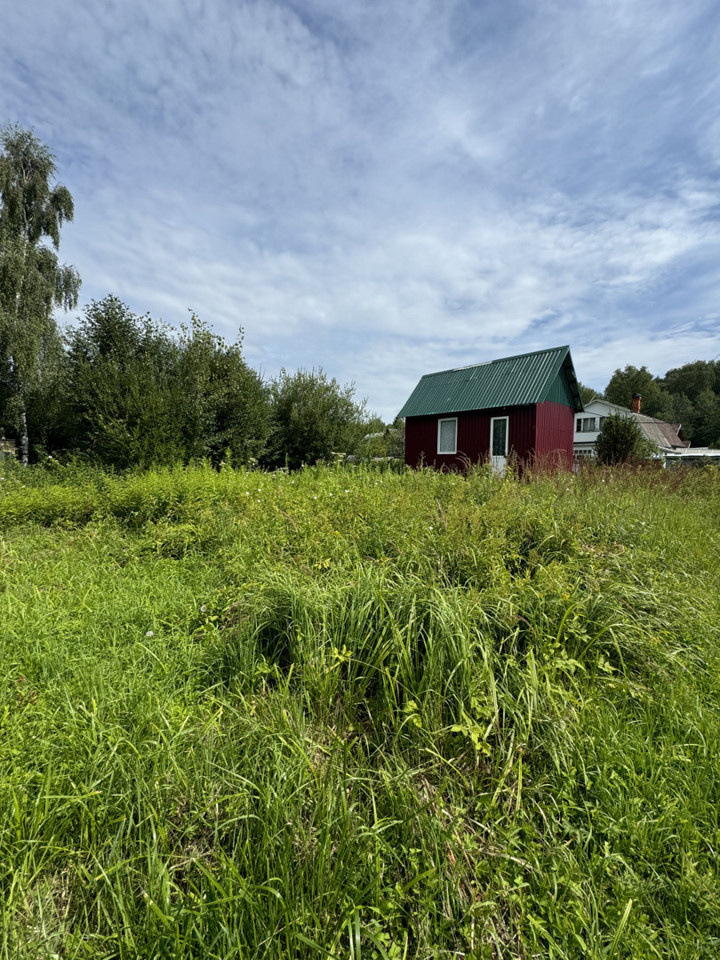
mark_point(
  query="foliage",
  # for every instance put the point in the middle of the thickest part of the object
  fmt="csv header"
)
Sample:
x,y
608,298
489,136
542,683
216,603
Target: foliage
x,y
119,384
312,419
692,397
624,383
384,441
395,434
587,393
136,395
693,379
689,395
32,282
222,405
621,441
339,712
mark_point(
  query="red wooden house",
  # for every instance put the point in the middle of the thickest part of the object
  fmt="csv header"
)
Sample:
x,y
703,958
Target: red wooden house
x,y
519,406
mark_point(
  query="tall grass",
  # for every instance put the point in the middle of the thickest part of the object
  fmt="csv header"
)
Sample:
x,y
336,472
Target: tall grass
x,y
343,713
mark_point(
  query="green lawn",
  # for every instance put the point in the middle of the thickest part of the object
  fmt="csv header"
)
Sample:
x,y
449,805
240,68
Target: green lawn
x,y
344,713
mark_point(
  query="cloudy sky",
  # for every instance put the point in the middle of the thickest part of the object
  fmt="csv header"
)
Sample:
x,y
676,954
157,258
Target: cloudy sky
x,y
389,187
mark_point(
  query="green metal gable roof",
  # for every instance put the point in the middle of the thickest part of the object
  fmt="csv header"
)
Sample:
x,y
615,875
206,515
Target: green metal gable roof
x,y
512,381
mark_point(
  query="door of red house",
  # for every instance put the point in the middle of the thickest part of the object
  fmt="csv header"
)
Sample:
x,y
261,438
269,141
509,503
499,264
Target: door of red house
x,y
499,443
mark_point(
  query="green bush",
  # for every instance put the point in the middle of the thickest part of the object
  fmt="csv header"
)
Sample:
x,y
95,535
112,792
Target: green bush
x,y
313,419
621,441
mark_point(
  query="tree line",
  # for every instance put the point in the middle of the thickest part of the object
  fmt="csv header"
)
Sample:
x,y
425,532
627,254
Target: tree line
x,y
123,389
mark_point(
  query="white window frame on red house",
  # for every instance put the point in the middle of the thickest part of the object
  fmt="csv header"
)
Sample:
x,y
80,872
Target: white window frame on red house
x,y
447,452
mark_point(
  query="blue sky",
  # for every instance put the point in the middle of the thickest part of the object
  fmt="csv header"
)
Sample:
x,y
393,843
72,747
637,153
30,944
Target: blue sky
x,y
389,187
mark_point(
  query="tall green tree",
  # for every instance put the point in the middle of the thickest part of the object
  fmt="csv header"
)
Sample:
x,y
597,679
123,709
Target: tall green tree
x,y
693,379
222,404
32,281
678,408
136,394
706,428
120,370
691,396
624,383
312,418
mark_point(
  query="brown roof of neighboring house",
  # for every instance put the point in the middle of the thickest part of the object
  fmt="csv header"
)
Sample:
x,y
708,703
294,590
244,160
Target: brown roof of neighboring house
x,y
661,433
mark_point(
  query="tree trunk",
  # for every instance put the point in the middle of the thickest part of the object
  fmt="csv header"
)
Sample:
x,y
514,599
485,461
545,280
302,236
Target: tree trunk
x,y
25,440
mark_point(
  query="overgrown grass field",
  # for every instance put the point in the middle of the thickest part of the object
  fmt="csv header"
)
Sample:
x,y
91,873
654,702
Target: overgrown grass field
x,y
343,713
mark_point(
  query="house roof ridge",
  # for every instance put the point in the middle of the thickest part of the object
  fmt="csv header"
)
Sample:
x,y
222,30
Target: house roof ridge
x,y
487,363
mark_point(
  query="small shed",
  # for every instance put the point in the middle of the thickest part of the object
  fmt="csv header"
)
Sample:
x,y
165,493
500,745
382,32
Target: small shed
x,y
520,406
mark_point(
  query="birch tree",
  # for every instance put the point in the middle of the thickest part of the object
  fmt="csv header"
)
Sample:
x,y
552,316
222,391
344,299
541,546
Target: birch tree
x,y
32,281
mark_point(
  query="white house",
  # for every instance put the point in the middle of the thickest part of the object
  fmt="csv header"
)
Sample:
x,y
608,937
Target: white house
x,y
665,436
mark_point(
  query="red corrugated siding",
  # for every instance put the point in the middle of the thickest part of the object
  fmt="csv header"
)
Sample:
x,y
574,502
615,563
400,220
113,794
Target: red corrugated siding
x,y
543,431
473,436
555,425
